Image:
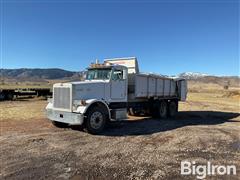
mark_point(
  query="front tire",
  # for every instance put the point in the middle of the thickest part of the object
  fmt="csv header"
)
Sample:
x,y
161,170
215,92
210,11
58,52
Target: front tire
x,y
95,120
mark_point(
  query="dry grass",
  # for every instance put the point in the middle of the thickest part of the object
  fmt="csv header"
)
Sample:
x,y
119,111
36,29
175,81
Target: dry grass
x,y
233,94
208,97
29,84
209,87
25,109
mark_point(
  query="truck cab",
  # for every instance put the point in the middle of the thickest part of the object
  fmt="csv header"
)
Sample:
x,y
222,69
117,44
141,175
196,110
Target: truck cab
x,y
114,78
103,94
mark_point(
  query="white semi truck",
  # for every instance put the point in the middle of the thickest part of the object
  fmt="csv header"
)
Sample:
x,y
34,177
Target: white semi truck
x,y
110,91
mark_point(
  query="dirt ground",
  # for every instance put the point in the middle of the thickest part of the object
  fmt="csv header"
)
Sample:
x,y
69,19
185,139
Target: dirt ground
x,y
207,128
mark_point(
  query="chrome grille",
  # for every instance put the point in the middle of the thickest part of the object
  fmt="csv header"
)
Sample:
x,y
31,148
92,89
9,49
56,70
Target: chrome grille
x,y
61,98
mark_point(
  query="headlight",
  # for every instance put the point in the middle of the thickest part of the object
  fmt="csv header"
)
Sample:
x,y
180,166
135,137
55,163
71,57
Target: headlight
x,y
80,103
83,102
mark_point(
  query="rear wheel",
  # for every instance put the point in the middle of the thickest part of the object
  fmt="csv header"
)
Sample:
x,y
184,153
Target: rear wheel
x,y
172,108
162,110
95,120
59,124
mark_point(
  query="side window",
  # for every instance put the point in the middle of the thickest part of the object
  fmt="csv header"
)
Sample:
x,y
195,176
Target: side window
x,y
117,75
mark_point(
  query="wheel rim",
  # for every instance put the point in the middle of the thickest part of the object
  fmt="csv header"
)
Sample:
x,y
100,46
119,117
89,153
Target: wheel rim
x,y
96,120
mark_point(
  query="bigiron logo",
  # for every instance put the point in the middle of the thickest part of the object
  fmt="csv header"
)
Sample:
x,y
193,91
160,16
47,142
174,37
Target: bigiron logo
x,y
201,171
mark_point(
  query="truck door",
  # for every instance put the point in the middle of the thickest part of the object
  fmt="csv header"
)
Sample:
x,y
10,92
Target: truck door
x,y
119,84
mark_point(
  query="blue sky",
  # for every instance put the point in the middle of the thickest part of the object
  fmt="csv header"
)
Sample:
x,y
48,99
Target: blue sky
x,y
167,37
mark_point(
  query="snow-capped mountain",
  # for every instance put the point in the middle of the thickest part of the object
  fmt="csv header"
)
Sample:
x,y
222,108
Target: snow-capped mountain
x,y
192,75
207,78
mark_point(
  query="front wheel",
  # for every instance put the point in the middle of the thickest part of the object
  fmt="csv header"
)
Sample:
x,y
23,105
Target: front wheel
x,y
95,120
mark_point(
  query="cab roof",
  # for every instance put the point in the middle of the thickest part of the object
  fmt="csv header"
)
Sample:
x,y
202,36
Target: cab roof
x,y
104,66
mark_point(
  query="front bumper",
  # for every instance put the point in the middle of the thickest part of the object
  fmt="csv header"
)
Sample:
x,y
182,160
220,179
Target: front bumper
x,y
65,117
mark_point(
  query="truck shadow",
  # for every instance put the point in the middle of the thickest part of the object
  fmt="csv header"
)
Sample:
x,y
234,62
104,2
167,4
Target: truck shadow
x,y
148,125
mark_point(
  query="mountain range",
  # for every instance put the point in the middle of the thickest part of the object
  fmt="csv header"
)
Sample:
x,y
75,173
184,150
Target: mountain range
x,y
26,74
206,78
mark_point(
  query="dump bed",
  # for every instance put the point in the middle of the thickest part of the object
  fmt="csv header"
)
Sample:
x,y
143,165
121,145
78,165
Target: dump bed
x,y
145,86
148,85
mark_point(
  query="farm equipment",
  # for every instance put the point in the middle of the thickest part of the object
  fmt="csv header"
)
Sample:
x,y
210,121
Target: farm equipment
x,y
11,93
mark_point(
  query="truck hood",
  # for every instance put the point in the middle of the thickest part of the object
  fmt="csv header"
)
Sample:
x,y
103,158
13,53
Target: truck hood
x,y
88,90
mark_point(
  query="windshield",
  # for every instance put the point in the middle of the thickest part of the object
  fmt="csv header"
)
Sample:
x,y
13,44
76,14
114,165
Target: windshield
x,y
98,74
